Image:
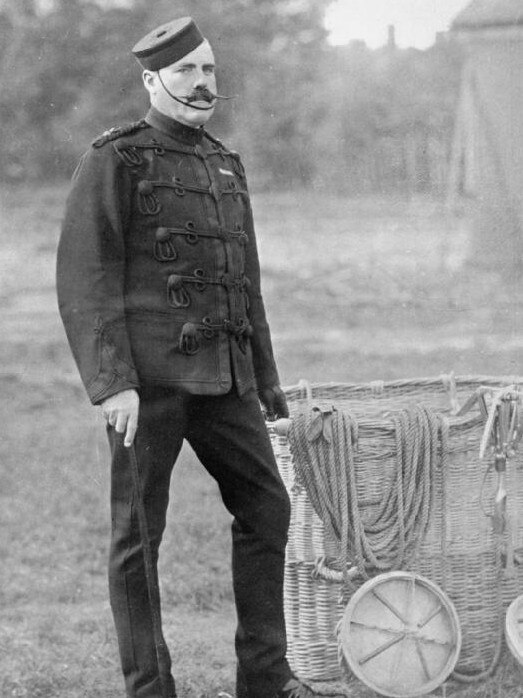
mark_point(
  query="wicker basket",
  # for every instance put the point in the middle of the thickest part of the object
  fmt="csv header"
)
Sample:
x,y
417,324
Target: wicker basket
x,y
459,552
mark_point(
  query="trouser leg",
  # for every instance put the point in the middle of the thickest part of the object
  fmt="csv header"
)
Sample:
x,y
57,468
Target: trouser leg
x,y
157,443
241,686
229,436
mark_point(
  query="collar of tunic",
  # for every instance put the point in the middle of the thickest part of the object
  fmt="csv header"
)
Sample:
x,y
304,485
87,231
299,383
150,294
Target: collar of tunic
x,y
171,127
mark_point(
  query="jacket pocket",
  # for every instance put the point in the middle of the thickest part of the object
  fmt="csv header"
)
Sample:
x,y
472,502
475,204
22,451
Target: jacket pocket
x,y
155,342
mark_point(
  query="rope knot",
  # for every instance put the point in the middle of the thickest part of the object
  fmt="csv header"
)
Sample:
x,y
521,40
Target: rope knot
x,y
320,424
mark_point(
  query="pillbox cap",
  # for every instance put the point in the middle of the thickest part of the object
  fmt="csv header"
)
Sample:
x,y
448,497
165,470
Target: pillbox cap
x,y
168,43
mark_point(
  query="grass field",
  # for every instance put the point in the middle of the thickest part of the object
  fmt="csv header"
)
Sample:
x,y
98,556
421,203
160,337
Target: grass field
x,y
355,290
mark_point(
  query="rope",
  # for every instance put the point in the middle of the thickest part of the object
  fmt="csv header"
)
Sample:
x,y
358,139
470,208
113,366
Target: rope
x,y
325,464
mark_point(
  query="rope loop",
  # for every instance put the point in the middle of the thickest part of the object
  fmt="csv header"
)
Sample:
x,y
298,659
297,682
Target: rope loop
x,y
324,446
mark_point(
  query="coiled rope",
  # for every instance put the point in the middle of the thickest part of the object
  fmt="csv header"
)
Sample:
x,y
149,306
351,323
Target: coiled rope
x,y
324,460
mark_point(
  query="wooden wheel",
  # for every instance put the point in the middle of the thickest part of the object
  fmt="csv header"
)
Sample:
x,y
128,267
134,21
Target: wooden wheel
x,y
514,628
400,635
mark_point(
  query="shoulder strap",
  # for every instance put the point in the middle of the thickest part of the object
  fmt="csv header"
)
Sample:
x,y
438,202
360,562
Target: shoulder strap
x,y
118,131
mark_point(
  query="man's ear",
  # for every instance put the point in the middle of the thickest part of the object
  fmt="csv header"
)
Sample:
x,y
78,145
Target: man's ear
x,y
149,81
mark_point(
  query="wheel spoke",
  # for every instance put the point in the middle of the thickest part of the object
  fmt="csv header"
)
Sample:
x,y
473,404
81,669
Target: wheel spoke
x,y
382,648
397,663
435,641
390,606
366,626
432,614
422,659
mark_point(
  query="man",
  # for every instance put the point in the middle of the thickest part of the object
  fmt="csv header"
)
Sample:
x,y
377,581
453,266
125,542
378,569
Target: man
x,y
159,291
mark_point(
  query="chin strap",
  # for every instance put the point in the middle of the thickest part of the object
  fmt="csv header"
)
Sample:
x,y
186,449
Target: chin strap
x,y
182,101
188,101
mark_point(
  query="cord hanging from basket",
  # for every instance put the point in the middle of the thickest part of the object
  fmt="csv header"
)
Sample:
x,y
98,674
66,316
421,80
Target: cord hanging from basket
x,y
324,446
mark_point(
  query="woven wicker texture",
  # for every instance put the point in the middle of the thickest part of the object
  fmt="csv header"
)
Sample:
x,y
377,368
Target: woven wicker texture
x,y
458,547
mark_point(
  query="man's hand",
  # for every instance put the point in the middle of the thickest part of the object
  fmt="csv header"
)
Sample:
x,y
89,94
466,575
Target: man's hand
x,y
274,401
121,412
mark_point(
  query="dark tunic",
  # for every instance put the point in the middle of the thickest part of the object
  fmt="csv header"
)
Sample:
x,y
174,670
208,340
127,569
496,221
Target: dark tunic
x,y
158,274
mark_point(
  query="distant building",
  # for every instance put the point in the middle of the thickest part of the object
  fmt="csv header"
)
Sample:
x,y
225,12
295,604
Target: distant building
x,y
487,160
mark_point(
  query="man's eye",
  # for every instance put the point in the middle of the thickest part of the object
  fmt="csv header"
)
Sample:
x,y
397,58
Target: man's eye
x,y
208,71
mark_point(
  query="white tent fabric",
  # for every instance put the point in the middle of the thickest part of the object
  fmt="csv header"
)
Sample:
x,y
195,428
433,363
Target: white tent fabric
x,y
487,158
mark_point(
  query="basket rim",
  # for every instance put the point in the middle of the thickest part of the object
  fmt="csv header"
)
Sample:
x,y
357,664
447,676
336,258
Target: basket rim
x,y
317,394
442,379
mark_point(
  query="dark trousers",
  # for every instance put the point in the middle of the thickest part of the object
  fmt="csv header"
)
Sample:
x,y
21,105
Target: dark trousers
x,y
229,437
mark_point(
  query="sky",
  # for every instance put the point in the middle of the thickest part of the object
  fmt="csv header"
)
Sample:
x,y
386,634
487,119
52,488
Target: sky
x,y
416,21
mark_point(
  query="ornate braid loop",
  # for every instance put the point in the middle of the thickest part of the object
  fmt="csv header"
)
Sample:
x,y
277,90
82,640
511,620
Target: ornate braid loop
x,y
164,249
148,202
177,294
129,155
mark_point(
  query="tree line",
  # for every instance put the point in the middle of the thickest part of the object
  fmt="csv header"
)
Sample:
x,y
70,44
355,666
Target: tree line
x,y
305,113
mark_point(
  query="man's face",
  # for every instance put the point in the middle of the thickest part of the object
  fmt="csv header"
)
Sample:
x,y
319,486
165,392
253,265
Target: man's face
x,y
195,70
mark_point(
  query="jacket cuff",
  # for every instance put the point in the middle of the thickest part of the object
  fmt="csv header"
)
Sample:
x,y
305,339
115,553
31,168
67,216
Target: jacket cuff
x,y
267,379
98,393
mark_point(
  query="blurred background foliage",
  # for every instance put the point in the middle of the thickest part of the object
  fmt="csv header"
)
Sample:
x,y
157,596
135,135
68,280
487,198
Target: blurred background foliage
x,y
345,119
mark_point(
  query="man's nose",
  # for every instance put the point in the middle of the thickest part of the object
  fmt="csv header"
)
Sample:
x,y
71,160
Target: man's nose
x,y
200,79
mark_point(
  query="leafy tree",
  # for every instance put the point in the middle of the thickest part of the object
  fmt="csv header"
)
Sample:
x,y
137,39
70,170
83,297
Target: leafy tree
x,y
304,113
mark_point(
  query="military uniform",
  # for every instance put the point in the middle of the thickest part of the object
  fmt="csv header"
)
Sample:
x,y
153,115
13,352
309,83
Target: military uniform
x,y
159,290
166,290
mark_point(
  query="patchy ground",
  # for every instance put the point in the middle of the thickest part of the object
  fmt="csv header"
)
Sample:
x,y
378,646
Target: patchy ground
x,y
355,290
